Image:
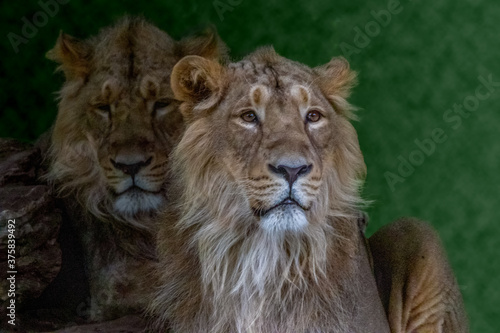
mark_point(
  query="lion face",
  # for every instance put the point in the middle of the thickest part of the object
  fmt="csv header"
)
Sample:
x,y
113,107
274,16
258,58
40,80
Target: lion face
x,y
133,128
278,128
278,131
117,122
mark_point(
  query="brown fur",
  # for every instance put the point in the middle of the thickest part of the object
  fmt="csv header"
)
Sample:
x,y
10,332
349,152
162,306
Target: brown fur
x,y
418,288
117,109
229,263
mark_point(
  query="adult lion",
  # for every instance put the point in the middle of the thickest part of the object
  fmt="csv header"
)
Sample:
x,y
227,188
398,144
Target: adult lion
x,y
265,195
117,123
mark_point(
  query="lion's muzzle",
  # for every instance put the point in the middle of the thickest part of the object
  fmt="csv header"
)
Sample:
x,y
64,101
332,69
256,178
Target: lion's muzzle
x,y
135,178
287,203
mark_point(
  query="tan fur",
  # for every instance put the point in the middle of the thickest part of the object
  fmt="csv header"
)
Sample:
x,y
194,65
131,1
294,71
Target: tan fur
x,y
229,263
117,110
415,280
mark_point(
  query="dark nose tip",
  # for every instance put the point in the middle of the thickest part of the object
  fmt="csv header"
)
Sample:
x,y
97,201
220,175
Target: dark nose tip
x,y
291,174
131,169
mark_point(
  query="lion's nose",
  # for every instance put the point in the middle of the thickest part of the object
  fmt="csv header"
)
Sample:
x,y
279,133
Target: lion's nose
x,y
132,168
290,173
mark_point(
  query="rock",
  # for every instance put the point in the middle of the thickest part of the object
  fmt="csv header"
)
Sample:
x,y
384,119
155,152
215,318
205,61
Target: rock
x,y
128,324
27,205
18,163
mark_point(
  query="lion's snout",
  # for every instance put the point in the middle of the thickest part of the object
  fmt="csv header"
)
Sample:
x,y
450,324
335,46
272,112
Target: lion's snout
x,y
291,173
131,168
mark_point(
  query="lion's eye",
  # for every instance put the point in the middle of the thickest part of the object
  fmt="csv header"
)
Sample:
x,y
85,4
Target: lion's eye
x,y
104,107
249,117
162,104
161,107
313,116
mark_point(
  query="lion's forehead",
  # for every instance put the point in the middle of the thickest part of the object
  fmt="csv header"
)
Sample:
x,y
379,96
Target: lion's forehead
x,y
279,76
130,65
264,82
112,88
131,72
129,53
133,88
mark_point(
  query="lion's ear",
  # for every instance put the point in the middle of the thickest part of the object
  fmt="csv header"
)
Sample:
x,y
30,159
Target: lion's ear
x,y
336,78
207,45
198,82
73,56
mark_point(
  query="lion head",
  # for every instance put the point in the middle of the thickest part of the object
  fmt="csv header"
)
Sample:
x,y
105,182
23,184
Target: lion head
x,y
275,132
265,186
117,119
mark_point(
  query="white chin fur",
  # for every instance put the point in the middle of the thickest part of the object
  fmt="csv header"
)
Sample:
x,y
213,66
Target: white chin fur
x,y
284,218
129,204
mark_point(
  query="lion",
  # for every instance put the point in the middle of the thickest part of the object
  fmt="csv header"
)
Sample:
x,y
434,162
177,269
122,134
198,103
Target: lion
x,y
116,125
264,230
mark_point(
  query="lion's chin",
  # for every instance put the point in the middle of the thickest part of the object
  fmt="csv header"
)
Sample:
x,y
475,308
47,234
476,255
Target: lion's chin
x,y
284,218
133,203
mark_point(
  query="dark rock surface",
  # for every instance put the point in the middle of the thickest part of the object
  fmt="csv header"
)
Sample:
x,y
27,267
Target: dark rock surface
x,y
27,205
128,324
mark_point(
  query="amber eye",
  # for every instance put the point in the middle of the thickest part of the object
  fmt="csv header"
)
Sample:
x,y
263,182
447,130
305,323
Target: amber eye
x,y
313,116
249,117
104,107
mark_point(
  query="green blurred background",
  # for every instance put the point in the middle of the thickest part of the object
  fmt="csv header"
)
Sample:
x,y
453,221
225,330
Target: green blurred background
x,y
412,68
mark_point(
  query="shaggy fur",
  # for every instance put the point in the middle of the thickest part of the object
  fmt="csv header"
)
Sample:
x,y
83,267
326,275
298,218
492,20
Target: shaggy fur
x,y
237,260
117,112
